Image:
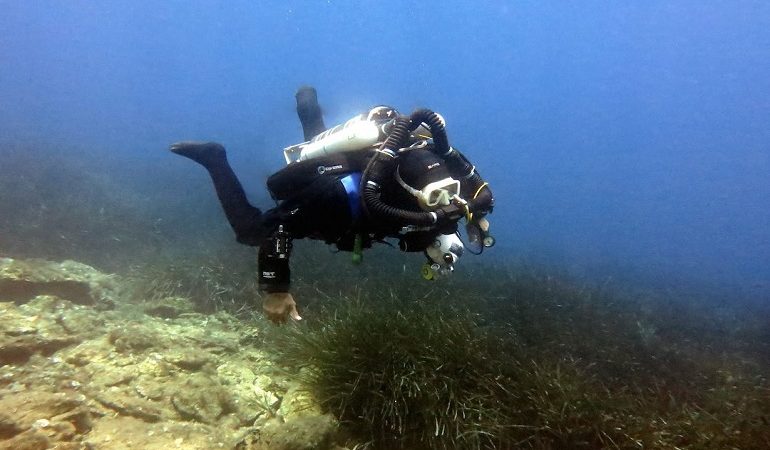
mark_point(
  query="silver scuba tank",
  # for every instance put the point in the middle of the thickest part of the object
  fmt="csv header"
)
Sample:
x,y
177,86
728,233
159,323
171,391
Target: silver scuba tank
x,y
361,132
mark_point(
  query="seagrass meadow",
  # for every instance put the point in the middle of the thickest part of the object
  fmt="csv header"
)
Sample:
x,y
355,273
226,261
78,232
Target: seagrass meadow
x,y
523,359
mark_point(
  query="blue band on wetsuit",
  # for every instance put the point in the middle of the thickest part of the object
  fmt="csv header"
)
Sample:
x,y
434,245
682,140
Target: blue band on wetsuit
x,y
351,183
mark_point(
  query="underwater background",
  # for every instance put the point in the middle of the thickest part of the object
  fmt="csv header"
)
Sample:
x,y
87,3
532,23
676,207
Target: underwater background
x,y
626,143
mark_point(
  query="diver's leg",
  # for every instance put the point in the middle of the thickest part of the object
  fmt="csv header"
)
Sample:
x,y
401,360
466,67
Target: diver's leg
x,y
243,217
309,112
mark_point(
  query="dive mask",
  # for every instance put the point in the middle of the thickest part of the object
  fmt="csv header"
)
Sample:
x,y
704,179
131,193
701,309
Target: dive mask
x,y
433,195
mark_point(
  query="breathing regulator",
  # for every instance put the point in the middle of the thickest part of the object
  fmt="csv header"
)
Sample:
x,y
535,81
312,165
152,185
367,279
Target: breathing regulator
x,y
385,136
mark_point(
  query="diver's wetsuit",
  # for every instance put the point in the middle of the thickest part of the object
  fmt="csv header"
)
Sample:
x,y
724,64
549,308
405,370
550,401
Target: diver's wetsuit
x,y
316,209
318,202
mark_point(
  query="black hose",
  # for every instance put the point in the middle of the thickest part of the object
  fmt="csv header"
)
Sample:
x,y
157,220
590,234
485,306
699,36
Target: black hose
x,y
376,173
383,164
437,129
398,136
458,164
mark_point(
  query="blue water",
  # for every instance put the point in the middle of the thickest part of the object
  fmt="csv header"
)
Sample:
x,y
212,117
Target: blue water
x,y
619,137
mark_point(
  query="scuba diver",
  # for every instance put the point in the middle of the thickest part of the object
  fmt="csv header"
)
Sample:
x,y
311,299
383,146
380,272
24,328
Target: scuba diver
x,y
379,175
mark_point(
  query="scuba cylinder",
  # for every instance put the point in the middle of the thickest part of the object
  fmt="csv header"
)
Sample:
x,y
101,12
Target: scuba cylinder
x,y
354,134
360,132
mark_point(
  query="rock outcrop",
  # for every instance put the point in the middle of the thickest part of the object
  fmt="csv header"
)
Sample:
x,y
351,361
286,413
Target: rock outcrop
x,y
81,368
23,280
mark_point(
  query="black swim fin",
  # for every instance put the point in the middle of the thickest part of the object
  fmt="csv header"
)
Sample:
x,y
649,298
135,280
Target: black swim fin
x,y
309,112
204,153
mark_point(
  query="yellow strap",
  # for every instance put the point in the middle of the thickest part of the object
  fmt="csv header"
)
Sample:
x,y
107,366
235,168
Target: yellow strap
x,y
469,215
478,191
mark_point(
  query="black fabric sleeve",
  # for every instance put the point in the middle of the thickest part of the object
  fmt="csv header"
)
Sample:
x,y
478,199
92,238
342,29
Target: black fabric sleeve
x,y
274,253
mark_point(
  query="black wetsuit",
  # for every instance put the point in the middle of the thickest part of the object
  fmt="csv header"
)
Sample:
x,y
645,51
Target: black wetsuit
x,y
317,199
328,208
